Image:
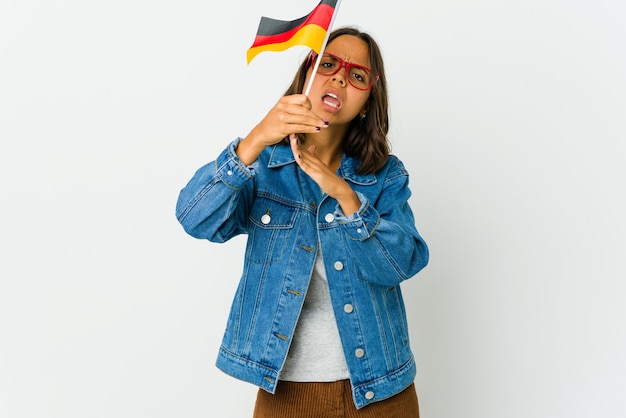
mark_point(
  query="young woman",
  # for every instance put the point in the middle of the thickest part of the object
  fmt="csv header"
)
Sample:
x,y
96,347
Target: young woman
x,y
318,320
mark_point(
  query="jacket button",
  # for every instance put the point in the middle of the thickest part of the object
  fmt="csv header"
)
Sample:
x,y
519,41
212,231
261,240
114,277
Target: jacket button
x,y
369,395
329,217
338,265
265,219
348,308
359,352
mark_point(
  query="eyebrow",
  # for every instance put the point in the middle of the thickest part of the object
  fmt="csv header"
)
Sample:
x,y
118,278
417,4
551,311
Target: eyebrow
x,y
346,60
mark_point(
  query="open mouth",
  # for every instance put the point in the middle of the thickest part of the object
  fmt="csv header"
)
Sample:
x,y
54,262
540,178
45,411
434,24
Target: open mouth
x,y
331,100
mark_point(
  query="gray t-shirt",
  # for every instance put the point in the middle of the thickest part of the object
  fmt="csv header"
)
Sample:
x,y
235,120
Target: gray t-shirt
x,y
316,354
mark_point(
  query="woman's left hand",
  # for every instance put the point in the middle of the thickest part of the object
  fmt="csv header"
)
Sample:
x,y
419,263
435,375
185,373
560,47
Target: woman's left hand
x,y
328,180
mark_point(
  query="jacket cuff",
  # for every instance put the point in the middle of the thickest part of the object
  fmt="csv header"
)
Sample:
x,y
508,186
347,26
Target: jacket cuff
x,y
231,170
361,224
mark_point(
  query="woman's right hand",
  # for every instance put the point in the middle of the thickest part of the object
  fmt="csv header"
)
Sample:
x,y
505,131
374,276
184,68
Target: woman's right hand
x,y
291,114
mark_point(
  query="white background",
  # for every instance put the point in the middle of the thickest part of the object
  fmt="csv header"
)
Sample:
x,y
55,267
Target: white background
x,y
509,115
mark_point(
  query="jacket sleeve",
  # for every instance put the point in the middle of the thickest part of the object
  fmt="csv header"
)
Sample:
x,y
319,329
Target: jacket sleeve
x,y
214,204
381,237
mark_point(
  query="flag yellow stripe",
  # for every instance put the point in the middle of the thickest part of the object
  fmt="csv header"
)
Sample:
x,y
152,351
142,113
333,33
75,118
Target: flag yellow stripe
x,y
310,35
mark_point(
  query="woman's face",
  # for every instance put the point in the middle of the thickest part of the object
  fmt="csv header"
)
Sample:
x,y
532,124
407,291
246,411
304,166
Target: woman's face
x,y
332,97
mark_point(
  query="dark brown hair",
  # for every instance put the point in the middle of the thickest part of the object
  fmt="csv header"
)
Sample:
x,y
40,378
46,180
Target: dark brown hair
x,y
366,139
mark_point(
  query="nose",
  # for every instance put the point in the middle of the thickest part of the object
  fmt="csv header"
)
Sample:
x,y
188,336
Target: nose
x,y
341,76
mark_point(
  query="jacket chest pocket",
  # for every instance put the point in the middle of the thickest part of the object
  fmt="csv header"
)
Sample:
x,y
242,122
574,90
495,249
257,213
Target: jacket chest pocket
x,y
271,229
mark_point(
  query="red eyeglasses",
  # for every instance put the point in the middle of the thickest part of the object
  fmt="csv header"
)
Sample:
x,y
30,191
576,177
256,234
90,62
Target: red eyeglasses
x,y
359,76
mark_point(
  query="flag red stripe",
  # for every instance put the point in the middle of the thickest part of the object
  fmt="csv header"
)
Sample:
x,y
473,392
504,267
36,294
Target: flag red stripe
x,y
320,16
309,35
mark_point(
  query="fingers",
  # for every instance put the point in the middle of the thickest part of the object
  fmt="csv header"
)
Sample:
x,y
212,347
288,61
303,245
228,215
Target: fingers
x,y
293,142
291,114
297,99
295,111
305,157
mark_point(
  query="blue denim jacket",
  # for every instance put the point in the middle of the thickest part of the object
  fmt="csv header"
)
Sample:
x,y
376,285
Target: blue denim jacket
x,y
287,218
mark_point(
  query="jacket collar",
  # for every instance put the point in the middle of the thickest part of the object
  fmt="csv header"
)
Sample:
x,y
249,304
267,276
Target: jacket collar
x,y
281,155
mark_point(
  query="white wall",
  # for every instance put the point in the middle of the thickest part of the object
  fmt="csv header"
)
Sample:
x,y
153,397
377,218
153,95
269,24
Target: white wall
x,y
508,114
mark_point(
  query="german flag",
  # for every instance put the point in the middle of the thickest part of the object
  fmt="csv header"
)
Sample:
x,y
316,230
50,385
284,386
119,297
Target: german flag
x,y
309,30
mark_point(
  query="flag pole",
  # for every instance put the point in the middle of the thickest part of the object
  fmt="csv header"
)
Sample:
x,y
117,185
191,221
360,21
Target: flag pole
x,y
319,56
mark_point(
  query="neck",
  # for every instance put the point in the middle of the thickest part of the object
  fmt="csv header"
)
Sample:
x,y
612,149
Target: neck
x,y
328,146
